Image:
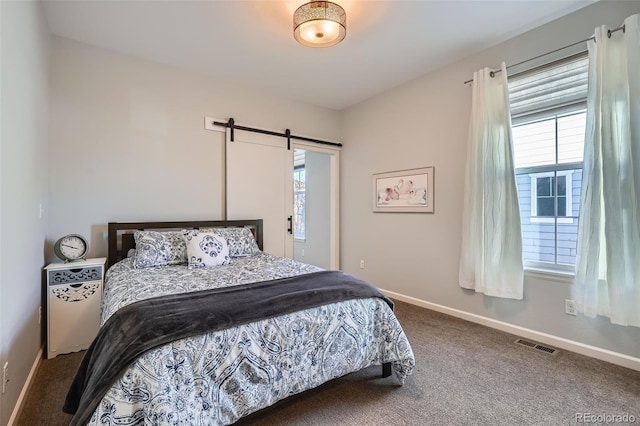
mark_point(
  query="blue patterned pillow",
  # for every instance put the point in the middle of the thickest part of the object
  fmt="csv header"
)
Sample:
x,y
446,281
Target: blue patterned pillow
x,y
240,240
155,248
206,249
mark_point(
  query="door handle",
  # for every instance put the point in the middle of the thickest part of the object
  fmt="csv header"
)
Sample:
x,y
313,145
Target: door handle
x,y
290,220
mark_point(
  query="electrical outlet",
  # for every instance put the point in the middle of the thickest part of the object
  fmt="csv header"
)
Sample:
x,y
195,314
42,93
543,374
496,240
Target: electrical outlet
x,y
570,307
361,264
5,376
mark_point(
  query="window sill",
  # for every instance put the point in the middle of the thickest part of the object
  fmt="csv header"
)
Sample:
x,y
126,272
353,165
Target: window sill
x,y
536,219
565,277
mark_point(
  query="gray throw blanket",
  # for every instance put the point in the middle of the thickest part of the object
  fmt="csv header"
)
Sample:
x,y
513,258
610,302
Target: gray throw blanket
x,y
150,323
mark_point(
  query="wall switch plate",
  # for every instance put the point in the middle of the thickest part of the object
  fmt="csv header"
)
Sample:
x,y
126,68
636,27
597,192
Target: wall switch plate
x,y
361,264
570,307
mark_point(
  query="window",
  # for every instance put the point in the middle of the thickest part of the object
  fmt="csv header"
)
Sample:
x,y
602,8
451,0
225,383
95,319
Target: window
x,y
549,187
546,196
299,203
543,196
549,118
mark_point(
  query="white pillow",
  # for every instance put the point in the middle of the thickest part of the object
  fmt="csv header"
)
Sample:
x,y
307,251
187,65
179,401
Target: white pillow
x,y
206,249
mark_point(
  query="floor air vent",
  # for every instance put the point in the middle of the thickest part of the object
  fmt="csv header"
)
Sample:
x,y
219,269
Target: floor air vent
x,y
536,346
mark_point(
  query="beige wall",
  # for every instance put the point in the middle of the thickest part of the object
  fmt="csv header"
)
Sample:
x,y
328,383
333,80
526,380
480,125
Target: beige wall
x,y
424,123
23,188
128,140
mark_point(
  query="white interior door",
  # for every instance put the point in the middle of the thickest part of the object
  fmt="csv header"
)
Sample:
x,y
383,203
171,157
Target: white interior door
x,y
321,246
260,186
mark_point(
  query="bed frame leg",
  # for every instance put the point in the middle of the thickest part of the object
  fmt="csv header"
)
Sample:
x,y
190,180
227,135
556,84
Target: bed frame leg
x,y
386,369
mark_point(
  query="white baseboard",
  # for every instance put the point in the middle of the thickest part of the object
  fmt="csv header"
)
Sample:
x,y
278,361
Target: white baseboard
x,y
559,342
25,389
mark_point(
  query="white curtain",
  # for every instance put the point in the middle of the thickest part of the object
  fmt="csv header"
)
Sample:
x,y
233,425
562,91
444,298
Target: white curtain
x,y
491,255
607,278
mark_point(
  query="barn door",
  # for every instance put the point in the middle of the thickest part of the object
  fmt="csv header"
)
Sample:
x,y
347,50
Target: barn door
x,y
259,174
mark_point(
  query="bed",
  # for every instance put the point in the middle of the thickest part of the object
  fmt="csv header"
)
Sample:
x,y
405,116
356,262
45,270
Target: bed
x,y
255,328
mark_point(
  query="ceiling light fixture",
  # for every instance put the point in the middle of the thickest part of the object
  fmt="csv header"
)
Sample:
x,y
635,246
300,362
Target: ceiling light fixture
x,y
319,24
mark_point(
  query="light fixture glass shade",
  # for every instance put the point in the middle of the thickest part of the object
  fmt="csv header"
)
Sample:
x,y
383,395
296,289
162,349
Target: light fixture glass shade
x,y
319,24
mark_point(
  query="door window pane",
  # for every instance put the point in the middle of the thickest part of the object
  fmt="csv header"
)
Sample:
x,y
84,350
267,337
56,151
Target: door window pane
x,y
299,200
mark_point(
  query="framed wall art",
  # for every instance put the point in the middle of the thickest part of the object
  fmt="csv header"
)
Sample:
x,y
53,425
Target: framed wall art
x,y
404,191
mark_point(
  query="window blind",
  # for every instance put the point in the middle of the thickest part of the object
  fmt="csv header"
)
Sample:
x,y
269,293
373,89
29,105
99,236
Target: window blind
x,y
555,85
298,158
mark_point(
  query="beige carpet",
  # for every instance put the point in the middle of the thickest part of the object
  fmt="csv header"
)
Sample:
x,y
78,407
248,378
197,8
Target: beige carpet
x,y
465,374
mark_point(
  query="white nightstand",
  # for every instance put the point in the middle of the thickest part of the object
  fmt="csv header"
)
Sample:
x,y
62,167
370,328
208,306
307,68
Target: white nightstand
x,y
74,296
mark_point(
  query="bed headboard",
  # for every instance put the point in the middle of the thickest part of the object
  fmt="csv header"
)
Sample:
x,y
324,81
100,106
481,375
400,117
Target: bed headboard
x,y
123,232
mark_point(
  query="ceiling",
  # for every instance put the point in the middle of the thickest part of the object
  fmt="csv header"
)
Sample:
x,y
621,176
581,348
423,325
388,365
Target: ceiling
x,y
251,42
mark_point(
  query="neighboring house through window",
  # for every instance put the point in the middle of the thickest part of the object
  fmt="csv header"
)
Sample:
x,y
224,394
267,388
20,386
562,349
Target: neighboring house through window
x,y
546,189
548,121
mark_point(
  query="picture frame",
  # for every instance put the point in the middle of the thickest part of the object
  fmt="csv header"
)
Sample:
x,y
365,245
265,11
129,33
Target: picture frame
x,y
404,191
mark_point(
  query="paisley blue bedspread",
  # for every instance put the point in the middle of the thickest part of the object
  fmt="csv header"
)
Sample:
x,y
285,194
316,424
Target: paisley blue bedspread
x,y
216,378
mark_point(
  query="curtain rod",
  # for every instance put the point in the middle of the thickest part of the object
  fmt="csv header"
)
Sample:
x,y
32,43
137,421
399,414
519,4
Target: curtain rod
x,y
609,32
287,134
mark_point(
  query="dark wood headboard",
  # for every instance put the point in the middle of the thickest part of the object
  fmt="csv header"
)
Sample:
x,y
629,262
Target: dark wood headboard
x,y
123,232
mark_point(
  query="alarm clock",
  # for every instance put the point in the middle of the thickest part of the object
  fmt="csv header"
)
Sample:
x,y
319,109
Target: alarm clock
x,y
71,247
